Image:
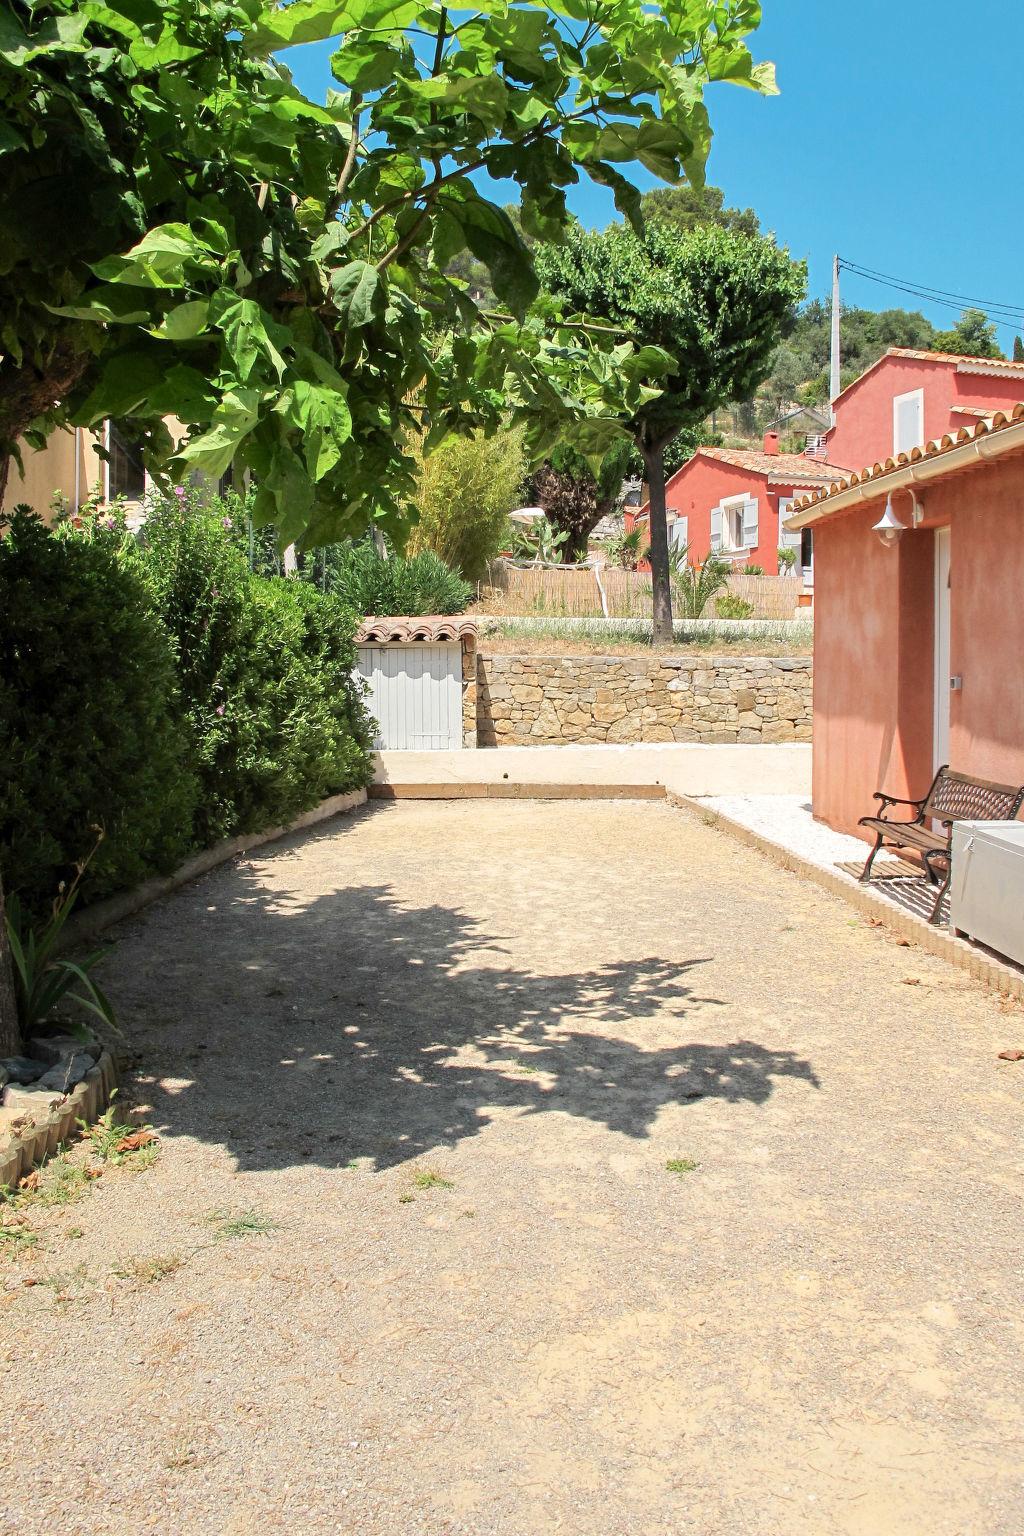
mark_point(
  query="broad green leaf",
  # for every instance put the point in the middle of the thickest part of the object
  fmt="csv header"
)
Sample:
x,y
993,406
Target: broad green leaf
x,y
358,293
184,321
212,451
485,97
108,305
311,21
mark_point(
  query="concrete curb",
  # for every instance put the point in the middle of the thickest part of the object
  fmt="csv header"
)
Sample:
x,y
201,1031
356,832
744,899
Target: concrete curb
x,y
85,925
453,790
86,1101
961,953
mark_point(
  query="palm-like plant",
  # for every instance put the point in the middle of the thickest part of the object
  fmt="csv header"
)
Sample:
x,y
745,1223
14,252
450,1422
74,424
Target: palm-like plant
x,y
696,585
43,980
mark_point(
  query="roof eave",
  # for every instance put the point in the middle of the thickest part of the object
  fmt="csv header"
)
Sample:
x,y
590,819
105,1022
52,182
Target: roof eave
x,y
987,445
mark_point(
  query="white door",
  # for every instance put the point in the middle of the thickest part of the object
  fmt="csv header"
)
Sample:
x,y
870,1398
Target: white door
x,y
415,695
940,735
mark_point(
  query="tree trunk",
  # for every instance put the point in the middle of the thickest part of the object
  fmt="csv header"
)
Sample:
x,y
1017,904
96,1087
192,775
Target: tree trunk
x,y
10,1034
654,464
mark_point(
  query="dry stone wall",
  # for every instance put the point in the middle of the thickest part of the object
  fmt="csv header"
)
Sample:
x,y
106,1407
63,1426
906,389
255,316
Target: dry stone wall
x,y
531,701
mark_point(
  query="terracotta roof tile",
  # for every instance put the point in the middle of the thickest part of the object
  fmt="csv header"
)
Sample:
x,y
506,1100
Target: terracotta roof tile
x,y
783,466
994,365
997,422
430,630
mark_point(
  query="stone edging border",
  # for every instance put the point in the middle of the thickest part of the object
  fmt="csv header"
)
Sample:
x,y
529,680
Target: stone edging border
x,y
86,924
86,1101
981,963
459,789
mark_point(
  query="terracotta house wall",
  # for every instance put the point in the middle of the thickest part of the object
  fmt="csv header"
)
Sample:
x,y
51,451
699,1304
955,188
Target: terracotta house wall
x,y
873,645
863,433
701,484
986,729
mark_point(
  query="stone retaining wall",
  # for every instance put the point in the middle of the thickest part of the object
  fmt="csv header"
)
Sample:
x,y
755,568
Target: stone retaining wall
x,y
542,700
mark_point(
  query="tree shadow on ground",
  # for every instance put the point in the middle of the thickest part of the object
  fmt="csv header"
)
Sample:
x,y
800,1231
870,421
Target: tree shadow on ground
x,y
357,1025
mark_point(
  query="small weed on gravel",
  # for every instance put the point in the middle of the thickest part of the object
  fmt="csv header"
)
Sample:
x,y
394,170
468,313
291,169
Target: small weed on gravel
x,y
67,1285
681,1165
58,1181
148,1271
428,1179
250,1223
116,1140
16,1236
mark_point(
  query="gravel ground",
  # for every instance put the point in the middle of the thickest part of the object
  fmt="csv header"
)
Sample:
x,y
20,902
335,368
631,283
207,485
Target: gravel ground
x,y
787,819
441,1054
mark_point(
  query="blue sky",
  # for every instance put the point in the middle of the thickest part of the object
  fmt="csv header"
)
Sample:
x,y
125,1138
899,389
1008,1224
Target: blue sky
x,y
892,141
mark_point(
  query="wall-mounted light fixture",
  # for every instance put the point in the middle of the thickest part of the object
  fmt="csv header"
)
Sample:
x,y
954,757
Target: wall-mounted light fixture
x,y
889,528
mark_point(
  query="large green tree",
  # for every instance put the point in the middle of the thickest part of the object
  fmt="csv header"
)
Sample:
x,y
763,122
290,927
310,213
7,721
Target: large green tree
x,y
184,234
974,335
714,301
272,271
688,205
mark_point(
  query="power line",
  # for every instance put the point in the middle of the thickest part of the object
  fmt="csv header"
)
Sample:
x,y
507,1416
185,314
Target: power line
x,y
944,293
1005,316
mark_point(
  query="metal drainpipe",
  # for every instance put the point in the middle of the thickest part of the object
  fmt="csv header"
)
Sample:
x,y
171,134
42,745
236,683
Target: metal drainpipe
x,y
78,467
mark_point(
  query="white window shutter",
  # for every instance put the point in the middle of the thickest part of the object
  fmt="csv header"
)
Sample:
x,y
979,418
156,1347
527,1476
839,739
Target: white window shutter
x,y
716,529
682,532
750,525
787,539
908,423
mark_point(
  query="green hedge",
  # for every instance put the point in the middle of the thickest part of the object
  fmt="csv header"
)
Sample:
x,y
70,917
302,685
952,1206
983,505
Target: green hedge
x,y
92,730
154,687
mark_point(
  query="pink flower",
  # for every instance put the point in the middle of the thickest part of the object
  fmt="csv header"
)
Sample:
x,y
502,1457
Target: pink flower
x,y
110,522
225,522
179,491
220,709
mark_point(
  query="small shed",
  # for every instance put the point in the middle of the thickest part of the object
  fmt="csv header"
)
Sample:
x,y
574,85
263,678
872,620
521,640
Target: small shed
x,y
421,679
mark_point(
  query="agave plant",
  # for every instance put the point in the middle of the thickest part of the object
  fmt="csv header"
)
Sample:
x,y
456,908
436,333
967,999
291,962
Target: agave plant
x,y
43,980
696,585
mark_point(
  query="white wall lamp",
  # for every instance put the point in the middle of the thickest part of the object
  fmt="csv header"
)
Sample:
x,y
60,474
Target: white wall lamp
x,y
889,528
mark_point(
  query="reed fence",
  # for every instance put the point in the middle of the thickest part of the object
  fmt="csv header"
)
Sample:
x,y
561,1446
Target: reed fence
x,y
573,592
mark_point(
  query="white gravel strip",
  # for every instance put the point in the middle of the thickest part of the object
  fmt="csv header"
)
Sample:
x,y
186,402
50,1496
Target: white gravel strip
x,y
787,820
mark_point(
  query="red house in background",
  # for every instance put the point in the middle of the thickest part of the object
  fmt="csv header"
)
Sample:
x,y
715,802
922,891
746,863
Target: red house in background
x,y
733,502
909,398
730,502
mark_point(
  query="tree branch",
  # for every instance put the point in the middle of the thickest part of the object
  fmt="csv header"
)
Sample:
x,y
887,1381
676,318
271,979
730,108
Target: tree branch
x,y
345,175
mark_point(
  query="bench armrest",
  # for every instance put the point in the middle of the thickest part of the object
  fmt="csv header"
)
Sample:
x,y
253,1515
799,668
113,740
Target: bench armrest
x,y
887,800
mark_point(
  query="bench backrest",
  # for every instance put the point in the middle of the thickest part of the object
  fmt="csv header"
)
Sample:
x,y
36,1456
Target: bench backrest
x,y
958,797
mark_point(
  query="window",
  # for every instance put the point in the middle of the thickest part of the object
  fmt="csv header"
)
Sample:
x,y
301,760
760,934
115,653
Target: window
x,y
734,525
908,421
126,475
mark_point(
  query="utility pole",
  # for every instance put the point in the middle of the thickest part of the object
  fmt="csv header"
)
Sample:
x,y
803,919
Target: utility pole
x,y
834,370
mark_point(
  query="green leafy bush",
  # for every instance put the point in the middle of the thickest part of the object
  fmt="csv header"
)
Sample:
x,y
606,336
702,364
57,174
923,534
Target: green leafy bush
x,y
753,570
733,607
414,584
90,718
265,666
467,488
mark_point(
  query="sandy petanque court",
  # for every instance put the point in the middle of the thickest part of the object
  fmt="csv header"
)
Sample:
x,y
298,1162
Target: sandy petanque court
x,y
532,1167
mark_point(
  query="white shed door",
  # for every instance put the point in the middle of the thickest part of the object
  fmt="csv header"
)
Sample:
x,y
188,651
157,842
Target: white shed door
x,y
415,695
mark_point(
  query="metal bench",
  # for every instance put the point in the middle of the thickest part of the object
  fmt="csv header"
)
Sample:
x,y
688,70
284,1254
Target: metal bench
x,y
952,797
